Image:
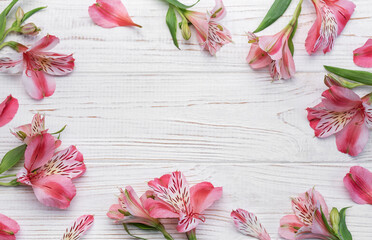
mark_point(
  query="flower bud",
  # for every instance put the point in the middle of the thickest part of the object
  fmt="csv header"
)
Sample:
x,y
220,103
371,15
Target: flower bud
x,y
334,80
19,15
335,219
185,29
17,46
30,29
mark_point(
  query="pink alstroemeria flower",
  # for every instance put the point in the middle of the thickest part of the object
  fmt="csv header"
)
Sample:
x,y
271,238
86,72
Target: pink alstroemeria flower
x,y
110,13
177,200
359,184
8,109
343,113
332,16
80,226
8,228
27,132
132,209
363,55
248,224
211,35
37,63
306,222
50,174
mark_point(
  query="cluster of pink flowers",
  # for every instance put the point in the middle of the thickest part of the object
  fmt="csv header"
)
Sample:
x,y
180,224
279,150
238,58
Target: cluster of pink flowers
x,y
170,197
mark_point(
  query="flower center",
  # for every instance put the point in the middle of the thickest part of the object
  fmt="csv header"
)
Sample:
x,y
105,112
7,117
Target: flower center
x,y
328,29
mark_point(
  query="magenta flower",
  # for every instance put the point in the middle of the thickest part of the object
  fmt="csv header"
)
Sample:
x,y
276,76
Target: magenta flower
x,y
37,63
359,184
8,109
332,16
211,34
80,226
306,222
177,200
363,55
50,174
248,224
343,113
110,13
8,228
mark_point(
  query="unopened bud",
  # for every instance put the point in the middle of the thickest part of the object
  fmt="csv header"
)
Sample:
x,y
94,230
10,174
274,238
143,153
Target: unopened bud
x,y
185,29
30,29
19,15
335,219
334,80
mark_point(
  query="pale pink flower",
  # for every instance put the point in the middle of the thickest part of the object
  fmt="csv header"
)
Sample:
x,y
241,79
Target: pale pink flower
x,y
80,226
359,184
8,109
177,200
110,13
27,132
37,63
248,224
363,55
344,114
332,16
306,222
8,228
50,174
211,34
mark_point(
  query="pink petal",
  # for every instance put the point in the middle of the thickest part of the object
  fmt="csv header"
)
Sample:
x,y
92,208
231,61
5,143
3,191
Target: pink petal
x,y
8,109
163,181
289,226
159,209
248,224
39,151
37,85
203,195
257,58
133,203
359,184
219,11
363,55
80,226
22,131
187,222
56,64
68,163
8,227
340,99
311,42
287,69
201,24
343,9
37,124
273,45
54,191
12,63
114,212
110,13
353,138
44,44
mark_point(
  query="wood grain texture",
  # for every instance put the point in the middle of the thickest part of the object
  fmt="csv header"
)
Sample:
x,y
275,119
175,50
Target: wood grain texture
x,y
138,108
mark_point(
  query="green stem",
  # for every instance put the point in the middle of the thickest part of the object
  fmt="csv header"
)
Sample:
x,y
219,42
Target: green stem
x,y
167,236
6,176
6,33
296,14
191,235
180,12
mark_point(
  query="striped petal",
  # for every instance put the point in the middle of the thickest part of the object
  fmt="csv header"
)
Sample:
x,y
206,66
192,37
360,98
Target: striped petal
x,y
248,224
80,226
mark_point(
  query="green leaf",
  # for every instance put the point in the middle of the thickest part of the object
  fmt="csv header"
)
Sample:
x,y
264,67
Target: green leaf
x,y
171,20
344,231
3,15
142,226
127,230
276,11
290,40
181,5
325,221
30,13
12,157
357,76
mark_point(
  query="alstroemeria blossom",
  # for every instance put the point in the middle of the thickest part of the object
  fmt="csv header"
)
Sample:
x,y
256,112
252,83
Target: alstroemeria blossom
x,y
37,63
132,209
8,228
306,222
177,200
110,13
363,55
50,173
211,34
27,132
80,226
248,224
343,113
332,16
359,184
8,109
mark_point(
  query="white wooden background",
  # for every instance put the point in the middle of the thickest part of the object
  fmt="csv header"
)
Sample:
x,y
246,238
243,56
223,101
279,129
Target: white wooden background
x,y
138,108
